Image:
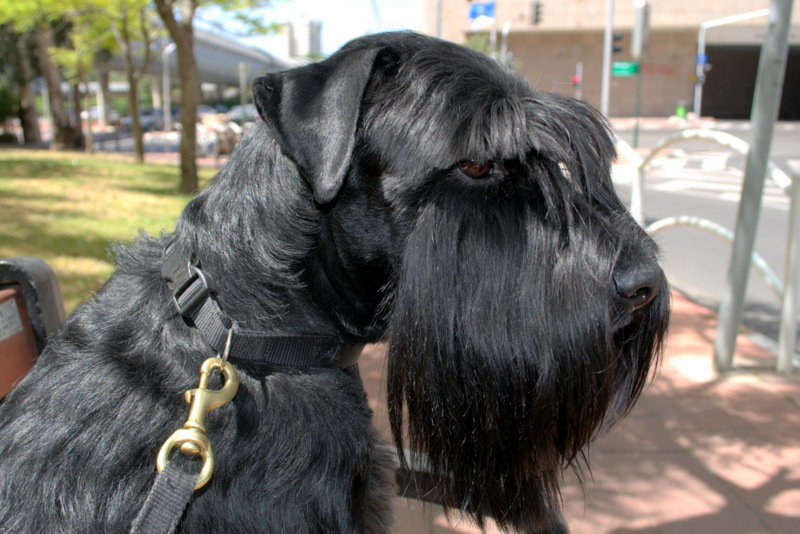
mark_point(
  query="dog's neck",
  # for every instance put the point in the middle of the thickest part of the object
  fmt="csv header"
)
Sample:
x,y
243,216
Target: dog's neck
x,y
269,250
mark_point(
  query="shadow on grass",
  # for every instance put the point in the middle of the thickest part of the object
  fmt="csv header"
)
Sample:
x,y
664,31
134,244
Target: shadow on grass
x,y
159,180
167,189
89,256
78,208
164,182
17,194
24,168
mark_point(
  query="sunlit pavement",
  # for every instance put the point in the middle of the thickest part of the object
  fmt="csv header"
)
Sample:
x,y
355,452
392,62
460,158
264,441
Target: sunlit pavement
x,y
700,453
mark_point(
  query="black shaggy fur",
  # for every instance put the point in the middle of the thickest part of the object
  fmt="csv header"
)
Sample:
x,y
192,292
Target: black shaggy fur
x,y
523,310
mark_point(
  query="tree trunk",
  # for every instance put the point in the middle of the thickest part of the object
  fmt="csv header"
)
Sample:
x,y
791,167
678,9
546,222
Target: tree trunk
x,y
28,116
182,33
77,108
133,105
64,135
190,99
124,40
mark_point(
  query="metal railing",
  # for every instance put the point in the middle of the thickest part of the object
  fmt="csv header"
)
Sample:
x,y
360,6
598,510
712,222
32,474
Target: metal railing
x,y
786,292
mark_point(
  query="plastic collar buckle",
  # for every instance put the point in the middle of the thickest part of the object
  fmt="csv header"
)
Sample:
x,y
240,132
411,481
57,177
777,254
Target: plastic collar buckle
x,y
192,292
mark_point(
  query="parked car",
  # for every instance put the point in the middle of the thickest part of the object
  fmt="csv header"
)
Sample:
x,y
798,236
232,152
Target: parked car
x,y
94,112
242,115
149,119
204,109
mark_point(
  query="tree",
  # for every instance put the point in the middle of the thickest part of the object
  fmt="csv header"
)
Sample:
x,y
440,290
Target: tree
x,y
19,73
40,17
178,17
93,23
90,25
77,59
129,21
28,116
181,29
65,133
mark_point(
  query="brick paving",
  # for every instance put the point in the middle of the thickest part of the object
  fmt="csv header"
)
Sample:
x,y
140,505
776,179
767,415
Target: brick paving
x,y
702,452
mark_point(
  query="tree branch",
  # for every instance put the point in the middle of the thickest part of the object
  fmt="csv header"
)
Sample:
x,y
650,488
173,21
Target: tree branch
x,y
147,41
164,8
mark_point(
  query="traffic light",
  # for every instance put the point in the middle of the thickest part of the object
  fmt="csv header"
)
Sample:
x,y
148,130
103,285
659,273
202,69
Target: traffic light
x,y
577,80
617,47
536,12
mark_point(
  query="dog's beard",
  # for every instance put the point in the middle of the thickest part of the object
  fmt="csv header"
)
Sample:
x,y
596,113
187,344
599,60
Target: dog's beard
x,y
503,353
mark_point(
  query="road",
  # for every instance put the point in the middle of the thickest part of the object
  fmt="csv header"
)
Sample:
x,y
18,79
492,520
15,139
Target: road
x,y
704,179
154,142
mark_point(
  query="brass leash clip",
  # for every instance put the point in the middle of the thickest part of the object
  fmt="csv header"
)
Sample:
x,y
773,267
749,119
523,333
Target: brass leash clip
x,y
192,439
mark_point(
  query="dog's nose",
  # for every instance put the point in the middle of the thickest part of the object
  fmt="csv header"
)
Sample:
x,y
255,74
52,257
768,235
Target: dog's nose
x,y
638,286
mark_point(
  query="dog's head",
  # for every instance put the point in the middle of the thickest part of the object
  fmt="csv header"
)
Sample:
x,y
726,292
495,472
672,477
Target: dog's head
x,y
472,222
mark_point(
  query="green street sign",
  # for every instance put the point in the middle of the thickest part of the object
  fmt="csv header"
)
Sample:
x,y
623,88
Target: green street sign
x,y
624,69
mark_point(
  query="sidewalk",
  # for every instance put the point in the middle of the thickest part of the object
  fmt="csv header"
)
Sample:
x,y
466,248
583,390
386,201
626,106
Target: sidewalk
x,y
701,453
661,123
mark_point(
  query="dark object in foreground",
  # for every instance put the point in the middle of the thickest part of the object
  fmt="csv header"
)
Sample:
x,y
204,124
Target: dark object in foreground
x,y
404,189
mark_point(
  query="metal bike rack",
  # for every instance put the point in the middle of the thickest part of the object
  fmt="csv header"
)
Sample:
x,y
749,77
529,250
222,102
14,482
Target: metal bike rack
x,y
786,292
690,221
724,139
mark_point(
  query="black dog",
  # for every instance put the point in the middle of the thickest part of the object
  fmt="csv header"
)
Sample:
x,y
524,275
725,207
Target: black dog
x,y
404,189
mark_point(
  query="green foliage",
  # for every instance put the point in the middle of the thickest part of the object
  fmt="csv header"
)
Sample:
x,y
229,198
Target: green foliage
x,y
480,42
22,15
71,61
234,5
121,105
89,24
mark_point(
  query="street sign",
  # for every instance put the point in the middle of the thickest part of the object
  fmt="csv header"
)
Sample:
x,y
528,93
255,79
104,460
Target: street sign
x,y
481,15
624,69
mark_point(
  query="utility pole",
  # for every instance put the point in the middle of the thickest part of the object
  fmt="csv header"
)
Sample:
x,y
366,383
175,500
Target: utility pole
x,y
639,45
577,80
439,19
791,285
166,100
702,59
607,44
766,102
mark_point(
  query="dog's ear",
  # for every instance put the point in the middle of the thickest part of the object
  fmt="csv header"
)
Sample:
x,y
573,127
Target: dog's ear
x,y
313,112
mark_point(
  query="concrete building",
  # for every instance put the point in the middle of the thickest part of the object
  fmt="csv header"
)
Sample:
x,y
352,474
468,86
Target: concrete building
x,y
298,40
571,33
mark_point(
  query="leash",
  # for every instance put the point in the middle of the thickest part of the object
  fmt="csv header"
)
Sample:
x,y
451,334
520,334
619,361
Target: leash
x,y
194,299
174,487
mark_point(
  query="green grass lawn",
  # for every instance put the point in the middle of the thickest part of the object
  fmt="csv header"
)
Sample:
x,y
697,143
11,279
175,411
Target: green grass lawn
x,y
68,208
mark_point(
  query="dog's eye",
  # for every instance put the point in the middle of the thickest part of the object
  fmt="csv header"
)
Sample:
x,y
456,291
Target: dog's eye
x,y
474,169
